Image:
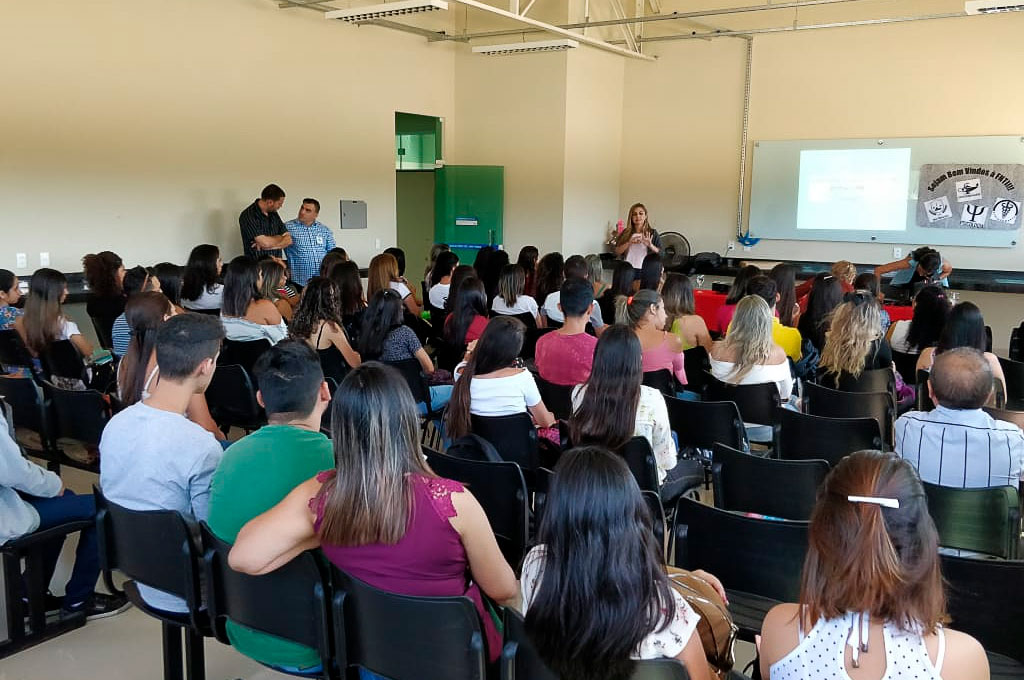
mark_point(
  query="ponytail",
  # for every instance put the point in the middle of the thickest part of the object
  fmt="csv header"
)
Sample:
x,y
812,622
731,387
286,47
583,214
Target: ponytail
x,y
631,310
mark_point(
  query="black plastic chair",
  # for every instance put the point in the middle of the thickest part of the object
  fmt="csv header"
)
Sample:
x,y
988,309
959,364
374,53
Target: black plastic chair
x,y
520,661
30,412
640,458
873,380
558,398
30,550
986,601
760,563
983,520
530,338
242,353
412,372
661,380
697,365
104,331
207,312
513,436
404,637
801,436
80,415
446,355
757,403
13,352
1014,372
1014,351
700,425
161,549
906,365
923,402
231,397
500,488
61,359
822,401
255,601
785,489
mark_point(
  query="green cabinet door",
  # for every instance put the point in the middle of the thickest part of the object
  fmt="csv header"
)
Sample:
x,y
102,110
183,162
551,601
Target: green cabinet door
x,y
469,201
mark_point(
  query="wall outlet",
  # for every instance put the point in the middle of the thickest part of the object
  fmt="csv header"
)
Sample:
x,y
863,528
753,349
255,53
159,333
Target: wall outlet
x,y
376,244
22,259
897,252
731,246
44,259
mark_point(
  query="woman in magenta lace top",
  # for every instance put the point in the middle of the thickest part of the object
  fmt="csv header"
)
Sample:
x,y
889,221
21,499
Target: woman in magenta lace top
x,y
383,516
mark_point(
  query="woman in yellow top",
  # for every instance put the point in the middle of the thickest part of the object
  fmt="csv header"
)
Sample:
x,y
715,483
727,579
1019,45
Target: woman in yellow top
x,y
683,320
638,238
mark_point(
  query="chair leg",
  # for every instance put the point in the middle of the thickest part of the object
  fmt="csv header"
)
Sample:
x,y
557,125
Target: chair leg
x,y
172,651
195,656
12,596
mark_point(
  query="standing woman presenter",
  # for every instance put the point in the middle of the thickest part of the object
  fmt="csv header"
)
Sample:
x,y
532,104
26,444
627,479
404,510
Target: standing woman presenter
x,y
638,238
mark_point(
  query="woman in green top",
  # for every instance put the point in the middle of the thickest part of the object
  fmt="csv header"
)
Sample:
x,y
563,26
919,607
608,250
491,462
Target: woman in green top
x,y
677,292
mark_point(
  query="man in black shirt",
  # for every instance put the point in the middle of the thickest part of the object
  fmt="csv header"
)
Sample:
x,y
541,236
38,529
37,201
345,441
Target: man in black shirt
x,y
263,232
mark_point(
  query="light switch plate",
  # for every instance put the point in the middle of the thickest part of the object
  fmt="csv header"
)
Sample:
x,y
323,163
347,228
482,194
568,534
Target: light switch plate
x,y
22,259
44,259
897,252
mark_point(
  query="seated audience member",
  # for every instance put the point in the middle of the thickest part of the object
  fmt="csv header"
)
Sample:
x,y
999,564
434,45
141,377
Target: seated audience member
x,y
652,273
737,291
549,276
459,274
646,619
34,499
965,327
246,315
575,267
622,285
846,273
136,280
612,406
350,297
564,356
104,272
385,338
260,469
957,443
332,259
528,261
469,313
200,284
784,276
137,372
491,274
645,314
493,382
319,323
853,342
825,295
151,456
681,317
273,281
785,337
10,294
871,597
383,273
869,282
170,277
511,300
595,274
44,321
382,515
440,280
748,355
435,252
923,266
931,308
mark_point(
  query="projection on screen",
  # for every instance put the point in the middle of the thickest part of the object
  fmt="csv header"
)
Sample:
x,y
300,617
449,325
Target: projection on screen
x,y
854,189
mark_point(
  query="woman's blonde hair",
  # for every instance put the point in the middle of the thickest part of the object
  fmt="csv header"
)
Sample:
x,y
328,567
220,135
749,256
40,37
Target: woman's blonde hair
x,y
628,232
511,283
855,325
383,270
596,268
750,335
844,271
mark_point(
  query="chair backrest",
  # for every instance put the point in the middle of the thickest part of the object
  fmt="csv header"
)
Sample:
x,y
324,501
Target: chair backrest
x,y
208,312
659,525
242,353
697,365
61,358
757,403
778,488
513,436
822,401
558,398
639,457
104,331
500,488
520,661
404,637
447,355
906,365
533,334
923,402
231,396
529,320
982,520
986,600
78,414
25,398
702,424
1014,351
762,556
256,601
1014,372
1015,417
801,436
159,548
661,380
412,372
13,352
873,380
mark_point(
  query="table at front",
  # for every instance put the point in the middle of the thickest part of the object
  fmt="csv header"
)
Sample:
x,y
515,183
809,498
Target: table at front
x,y
707,303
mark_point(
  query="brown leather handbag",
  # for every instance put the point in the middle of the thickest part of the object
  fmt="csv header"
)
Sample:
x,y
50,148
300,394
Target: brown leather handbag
x,y
716,628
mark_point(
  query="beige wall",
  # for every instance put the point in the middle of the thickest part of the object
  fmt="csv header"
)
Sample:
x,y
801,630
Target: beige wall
x,y
146,126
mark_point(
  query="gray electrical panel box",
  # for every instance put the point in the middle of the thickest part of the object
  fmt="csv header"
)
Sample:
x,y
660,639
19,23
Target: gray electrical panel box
x,y
353,214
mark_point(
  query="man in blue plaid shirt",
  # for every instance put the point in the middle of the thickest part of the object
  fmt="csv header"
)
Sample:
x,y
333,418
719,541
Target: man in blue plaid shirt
x,y
311,239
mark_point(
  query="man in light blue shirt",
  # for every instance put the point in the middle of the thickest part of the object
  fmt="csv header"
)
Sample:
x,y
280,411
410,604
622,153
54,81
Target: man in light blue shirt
x,y
958,444
311,239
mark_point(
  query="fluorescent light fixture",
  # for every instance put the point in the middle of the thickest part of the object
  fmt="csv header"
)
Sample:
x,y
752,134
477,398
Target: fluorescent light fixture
x,y
523,47
388,10
991,6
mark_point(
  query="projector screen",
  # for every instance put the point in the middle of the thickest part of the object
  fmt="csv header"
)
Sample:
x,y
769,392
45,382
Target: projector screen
x,y
856,189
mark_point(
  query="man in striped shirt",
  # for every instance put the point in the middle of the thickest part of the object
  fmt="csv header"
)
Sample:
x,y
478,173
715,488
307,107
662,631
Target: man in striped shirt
x,y
958,444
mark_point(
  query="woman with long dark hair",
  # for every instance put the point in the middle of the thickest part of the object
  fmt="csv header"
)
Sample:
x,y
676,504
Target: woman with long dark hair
x,y
652,273
594,591
274,277
931,309
645,315
10,294
170,277
104,273
549,275
440,280
332,259
492,273
493,382
200,286
826,294
622,286
350,297
382,516
784,276
528,261
246,315
965,327
737,291
469,314
44,321
681,316
512,299
319,323
435,252
871,597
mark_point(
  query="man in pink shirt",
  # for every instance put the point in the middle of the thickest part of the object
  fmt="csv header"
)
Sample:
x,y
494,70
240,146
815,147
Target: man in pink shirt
x,y
564,356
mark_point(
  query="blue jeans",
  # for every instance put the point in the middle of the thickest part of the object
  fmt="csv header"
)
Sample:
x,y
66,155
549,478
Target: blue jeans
x,y
67,508
439,396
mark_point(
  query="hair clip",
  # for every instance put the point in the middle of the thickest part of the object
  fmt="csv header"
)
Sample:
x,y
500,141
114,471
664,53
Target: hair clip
x,y
629,300
884,502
